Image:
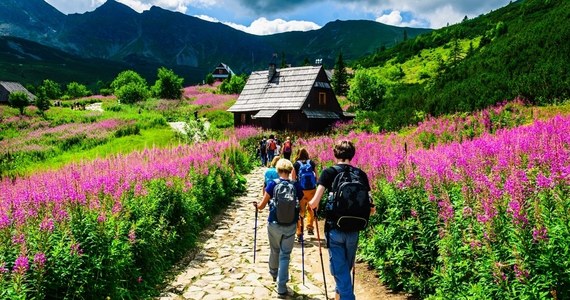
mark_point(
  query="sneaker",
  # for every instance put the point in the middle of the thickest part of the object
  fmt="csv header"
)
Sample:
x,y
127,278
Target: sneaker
x,y
310,231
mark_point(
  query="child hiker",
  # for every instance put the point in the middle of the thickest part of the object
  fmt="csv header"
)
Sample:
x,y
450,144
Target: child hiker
x,y
283,215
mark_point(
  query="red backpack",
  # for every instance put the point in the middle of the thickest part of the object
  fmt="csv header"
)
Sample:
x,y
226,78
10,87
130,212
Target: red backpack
x,y
271,145
287,146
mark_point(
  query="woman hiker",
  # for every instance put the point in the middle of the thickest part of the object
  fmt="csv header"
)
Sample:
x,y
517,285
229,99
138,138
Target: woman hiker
x,y
304,171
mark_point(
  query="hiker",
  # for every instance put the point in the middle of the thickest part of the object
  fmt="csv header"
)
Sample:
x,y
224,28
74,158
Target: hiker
x,y
283,216
271,147
342,242
304,171
263,151
271,173
287,148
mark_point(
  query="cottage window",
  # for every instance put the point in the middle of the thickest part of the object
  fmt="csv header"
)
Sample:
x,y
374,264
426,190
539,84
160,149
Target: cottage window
x,y
243,118
322,98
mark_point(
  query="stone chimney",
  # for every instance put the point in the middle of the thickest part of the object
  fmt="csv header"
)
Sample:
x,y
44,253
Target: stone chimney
x,y
272,68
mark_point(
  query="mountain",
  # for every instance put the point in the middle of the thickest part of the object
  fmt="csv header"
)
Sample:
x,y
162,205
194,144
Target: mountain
x,y
29,62
115,32
30,19
519,51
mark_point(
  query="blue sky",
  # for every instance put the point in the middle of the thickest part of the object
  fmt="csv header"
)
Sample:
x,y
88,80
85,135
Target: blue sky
x,y
273,16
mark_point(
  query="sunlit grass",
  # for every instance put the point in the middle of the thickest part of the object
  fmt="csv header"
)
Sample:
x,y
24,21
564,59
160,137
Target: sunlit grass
x,y
150,138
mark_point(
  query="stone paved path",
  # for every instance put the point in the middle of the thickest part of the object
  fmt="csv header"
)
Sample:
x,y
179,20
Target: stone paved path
x,y
223,268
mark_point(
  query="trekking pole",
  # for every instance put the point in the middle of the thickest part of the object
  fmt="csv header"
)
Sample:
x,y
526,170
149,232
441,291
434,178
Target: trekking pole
x,y
303,249
255,233
320,252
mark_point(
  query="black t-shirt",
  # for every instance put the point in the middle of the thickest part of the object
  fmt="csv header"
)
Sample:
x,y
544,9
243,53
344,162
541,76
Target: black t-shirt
x,y
327,176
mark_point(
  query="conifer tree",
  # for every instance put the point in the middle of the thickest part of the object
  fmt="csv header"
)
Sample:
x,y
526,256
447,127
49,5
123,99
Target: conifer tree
x,y
340,77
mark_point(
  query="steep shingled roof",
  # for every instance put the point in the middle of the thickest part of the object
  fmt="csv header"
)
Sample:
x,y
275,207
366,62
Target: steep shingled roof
x,y
287,90
16,87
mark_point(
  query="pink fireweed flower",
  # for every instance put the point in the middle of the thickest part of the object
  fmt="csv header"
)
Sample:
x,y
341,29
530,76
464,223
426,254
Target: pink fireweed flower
x,y
4,221
520,273
517,212
544,182
132,236
47,225
445,210
117,207
467,211
101,218
19,239
139,279
75,249
40,260
414,213
3,269
21,265
539,234
475,244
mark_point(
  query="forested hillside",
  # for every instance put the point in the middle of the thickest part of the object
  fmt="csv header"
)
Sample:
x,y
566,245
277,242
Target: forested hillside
x,y
521,50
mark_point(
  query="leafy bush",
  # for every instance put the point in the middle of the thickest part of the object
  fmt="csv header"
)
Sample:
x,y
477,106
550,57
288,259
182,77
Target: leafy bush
x,y
132,93
19,100
233,85
76,90
51,89
130,87
168,85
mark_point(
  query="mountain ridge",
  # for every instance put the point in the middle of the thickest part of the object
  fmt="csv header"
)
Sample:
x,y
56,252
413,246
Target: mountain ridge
x,y
116,32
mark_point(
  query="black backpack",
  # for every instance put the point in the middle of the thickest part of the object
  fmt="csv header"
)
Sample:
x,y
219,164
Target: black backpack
x,y
348,206
263,147
285,202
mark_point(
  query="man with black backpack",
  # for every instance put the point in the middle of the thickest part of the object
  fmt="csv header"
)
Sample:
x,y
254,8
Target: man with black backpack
x,y
348,208
283,215
263,151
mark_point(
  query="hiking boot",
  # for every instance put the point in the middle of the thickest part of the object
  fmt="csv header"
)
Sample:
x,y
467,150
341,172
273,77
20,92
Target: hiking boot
x,y
310,231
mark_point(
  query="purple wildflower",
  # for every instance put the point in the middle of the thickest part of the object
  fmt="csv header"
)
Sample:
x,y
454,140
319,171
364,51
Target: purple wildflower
x,y
47,225
3,269
132,236
40,260
540,234
76,249
520,273
21,265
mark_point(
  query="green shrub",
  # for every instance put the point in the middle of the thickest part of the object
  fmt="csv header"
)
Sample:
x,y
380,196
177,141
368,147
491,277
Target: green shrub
x,y
168,85
132,93
76,90
19,100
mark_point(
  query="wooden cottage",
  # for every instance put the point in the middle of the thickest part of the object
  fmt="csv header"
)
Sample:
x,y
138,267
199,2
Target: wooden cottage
x,y
222,71
7,87
299,99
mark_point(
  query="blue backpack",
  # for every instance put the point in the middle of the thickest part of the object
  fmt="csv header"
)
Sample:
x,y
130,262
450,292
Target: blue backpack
x,y
306,175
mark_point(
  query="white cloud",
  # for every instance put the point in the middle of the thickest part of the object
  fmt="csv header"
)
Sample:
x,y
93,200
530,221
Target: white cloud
x,y
395,18
262,26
